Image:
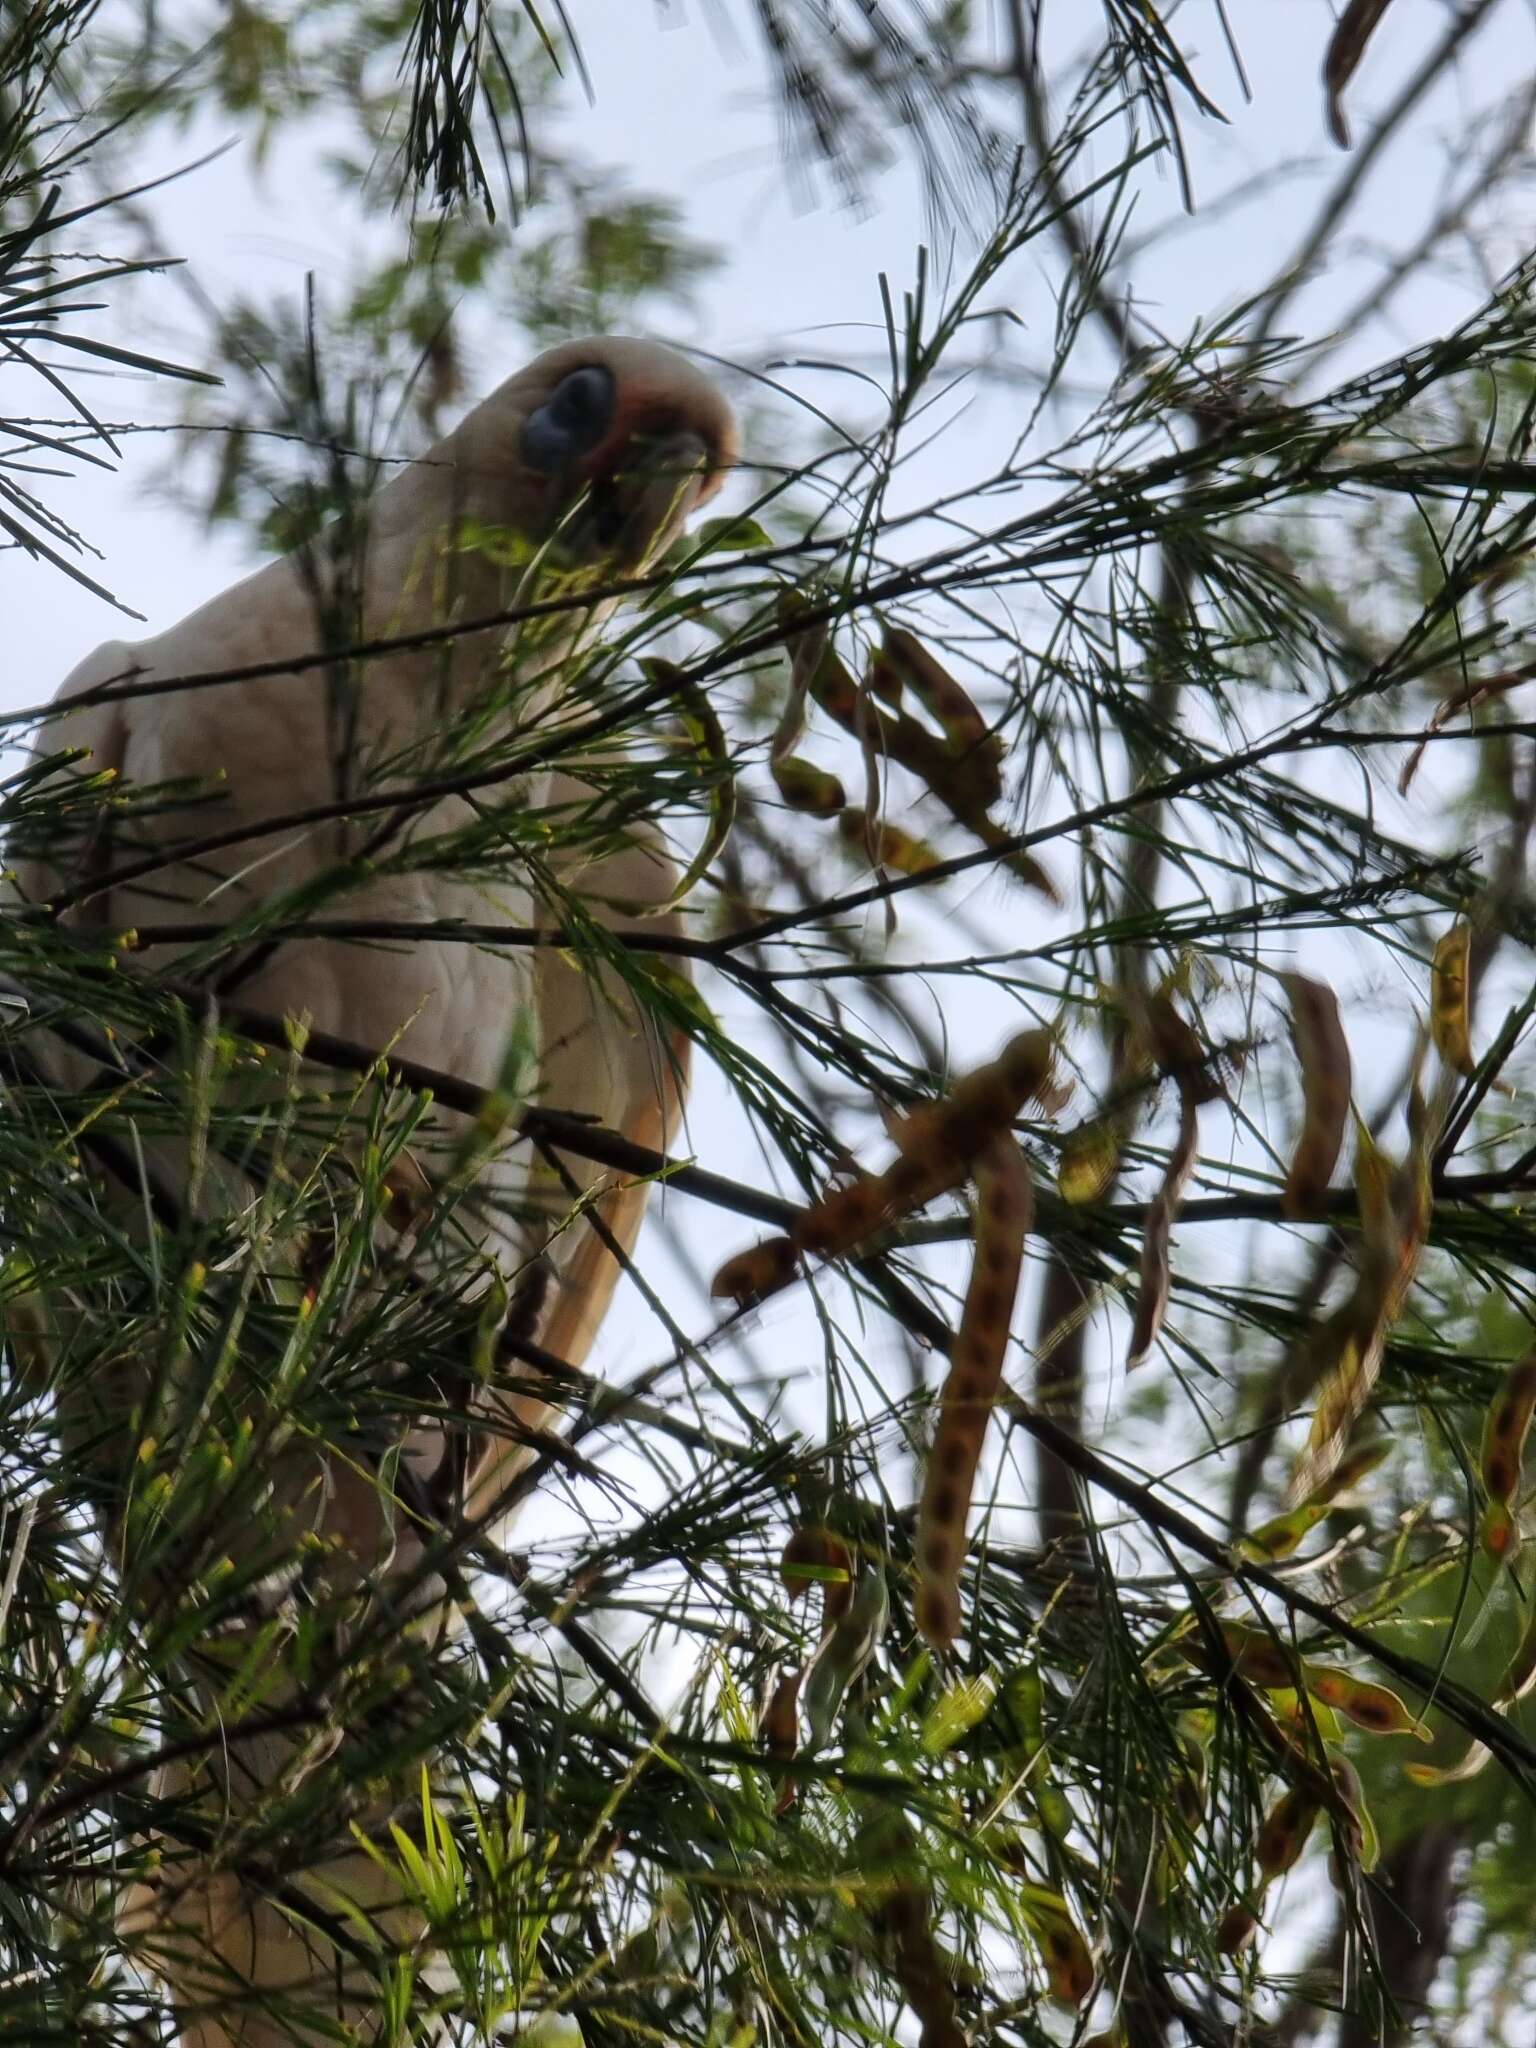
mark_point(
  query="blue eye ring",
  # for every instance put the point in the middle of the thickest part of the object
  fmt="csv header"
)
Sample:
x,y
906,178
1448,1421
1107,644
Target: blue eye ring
x,y
575,418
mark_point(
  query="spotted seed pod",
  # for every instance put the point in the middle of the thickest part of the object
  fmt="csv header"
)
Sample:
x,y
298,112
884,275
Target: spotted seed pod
x,y
1005,1210
904,1916
1375,1708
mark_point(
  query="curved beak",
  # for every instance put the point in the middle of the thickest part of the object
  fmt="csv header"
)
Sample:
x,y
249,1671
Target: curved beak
x,y
631,514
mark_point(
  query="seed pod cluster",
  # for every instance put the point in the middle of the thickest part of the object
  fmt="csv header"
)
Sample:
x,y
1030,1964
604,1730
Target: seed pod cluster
x,y
937,1147
1264,1661
960,764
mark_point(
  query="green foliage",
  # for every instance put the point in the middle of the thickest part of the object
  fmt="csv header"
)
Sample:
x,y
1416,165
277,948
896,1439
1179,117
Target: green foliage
x,y
1196,614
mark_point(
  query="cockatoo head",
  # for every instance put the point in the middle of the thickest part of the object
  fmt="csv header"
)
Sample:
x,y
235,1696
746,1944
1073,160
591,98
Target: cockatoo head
x,y
618,441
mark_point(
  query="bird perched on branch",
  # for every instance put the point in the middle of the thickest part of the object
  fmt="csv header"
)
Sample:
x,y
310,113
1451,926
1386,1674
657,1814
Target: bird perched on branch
x,y
312,772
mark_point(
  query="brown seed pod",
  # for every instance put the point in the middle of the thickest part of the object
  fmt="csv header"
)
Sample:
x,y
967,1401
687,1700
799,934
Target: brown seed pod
x,y
815,1557
1068,1960
1257,1657
1342,1355
1450,1017
938,693
779,1732
756,1273
1005,1210
1153,1285
1284,1833
1505,1429
805,787
1375,1708
1323,1052
887,846
1176,1047
1238,1930
1352,31
906,1917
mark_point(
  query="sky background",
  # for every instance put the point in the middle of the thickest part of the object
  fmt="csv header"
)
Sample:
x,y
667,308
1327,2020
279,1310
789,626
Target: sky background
x,y
681,106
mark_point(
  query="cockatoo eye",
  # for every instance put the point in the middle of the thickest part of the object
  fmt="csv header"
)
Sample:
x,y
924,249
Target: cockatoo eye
x,y
573,421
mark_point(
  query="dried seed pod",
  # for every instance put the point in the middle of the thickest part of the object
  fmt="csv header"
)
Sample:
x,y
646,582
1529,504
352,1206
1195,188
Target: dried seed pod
x,y
961,1123
805,787
1323,1052
1019,862
887,846
1450,1018
1238,1929
1153,1284
1347,1346
756,1273
1068,1960
1354,1828
1176,1047
1005,1209
938,1144
805,654
1257,1656
1284,1834
779,1731
904,1916
816,1557
935,689
846,1216
1505,1429
1346,46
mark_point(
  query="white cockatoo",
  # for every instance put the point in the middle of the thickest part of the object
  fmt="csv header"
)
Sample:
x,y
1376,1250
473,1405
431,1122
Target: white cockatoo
x,y
592,458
